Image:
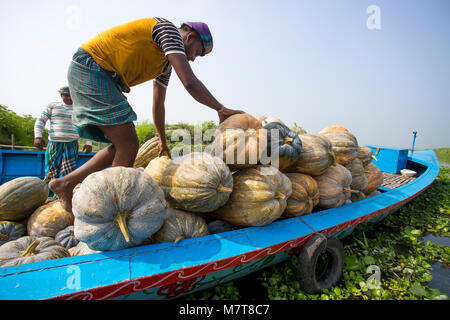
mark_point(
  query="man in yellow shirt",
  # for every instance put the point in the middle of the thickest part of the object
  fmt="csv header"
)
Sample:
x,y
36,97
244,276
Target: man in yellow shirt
x,y
112,62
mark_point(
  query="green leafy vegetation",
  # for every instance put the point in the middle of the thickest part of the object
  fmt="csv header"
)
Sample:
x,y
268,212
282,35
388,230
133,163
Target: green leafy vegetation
x,y
394,245
22,127
443,155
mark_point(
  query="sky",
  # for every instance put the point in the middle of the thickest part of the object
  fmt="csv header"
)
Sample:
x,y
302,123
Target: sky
x,y
380,68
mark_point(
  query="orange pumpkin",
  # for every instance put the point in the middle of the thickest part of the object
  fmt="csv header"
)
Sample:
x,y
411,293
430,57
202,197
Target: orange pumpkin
x,y
239,141
335,127
305,195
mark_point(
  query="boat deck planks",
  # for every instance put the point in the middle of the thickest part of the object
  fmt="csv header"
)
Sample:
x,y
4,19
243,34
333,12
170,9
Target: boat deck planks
x,y
393,181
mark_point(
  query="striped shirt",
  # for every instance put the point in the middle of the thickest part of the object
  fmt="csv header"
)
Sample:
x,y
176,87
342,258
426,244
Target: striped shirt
x,y
61,126
168,38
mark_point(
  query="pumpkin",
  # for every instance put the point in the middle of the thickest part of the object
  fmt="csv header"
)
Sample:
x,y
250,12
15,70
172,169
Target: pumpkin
x,y
81,249
359,179
156,167
218,226
299,130
21,196
334,187
365,154
67,237
288,145
259,197
315,157
48,220
305,195
117,208
239,141
147,152
374,178
335,127
179,225
10,230
357,196
30,249
197,182
345,145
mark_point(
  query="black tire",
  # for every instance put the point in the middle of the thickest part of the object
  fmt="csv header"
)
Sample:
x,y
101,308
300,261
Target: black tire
x,y
307,275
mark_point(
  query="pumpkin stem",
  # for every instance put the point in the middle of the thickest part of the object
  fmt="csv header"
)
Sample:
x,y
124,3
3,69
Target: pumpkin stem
x,y
288,140
178,239
221,188
351,191
373,157
279,195
332,155
3,237
31,249
121,221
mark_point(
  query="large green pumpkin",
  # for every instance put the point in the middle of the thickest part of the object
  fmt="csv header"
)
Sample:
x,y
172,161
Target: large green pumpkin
x,y
10,230
30,249
117,208
315,157
21,196
305,195
345,145
288,145
197,182
334,187
179,225
49,219
259,197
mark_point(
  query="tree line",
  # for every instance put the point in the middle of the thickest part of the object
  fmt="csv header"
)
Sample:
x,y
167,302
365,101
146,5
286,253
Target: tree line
x,y
22,127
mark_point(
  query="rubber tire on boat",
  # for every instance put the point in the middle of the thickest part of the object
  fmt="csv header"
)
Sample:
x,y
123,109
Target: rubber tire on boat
x,y
307,262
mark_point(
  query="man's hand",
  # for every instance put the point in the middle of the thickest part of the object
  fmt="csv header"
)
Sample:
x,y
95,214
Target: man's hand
x,y
39,143
164,149
225,113
87,148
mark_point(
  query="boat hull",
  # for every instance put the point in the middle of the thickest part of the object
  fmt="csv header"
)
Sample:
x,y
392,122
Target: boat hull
x,y
169,271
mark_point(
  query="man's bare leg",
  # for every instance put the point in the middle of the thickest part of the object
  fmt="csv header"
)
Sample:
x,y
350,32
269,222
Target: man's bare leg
x,y
122,152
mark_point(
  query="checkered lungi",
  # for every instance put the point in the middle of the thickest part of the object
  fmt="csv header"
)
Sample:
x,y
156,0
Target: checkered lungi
x,y
97,97
60,158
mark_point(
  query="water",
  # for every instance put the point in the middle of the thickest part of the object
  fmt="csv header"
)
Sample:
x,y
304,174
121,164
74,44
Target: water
x,y
439,271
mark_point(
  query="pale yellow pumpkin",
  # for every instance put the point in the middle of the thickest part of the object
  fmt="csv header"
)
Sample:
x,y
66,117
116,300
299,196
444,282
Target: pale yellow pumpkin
x,y
147,152
334,187
305,195
156,167
315,157
259,197
345,145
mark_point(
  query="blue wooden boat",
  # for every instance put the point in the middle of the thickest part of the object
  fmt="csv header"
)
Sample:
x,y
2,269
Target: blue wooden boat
x,y
168,270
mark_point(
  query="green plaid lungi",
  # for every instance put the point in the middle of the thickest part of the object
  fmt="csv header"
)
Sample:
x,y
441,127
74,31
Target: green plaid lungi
x,y
97,97
60,158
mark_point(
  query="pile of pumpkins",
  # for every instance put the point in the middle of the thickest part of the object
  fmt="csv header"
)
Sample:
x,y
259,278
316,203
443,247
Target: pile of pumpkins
x,y
167,200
